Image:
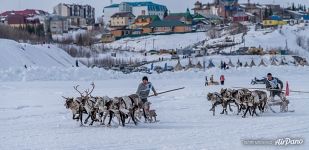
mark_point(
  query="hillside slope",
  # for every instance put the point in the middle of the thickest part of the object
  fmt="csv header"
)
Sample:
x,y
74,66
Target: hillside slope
x,y
16,55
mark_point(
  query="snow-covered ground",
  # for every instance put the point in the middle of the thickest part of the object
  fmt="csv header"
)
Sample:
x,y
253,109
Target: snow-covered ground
x,y
33,115
157,42
273,39
17,55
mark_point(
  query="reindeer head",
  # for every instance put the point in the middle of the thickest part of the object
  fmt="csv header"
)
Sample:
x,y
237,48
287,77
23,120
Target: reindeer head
x,y
209,96
68,101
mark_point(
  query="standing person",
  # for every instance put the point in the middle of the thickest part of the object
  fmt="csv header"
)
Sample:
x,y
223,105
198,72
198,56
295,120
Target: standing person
x,y
206,81
76,63
211,79
221,64
144,88
222,79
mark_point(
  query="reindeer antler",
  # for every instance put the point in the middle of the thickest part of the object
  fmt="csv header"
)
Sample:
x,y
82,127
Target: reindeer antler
x,y
75,87
87,91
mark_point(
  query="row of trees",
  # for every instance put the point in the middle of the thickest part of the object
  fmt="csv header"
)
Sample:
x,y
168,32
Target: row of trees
x,y
299,7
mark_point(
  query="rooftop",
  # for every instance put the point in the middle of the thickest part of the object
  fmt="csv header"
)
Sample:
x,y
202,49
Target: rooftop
x,y
123,14
166,23
26,12
153,17
151,5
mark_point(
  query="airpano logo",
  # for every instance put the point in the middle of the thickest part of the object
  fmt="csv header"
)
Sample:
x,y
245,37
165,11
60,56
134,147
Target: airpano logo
x,y
285,141
289,141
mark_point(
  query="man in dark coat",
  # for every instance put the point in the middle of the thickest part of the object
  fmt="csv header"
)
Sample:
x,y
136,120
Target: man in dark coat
x,y
275,86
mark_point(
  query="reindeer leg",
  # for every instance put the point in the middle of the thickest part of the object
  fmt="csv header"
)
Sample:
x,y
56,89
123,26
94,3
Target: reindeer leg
x,y
224,105
86,121
245,112
133,117
212,107
239,107
104,117
110,118
145,115
122,118
250,113
81,117
231,110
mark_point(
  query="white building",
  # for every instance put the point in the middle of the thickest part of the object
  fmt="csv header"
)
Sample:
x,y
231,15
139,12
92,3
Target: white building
x,y
58,24
74,10
136,8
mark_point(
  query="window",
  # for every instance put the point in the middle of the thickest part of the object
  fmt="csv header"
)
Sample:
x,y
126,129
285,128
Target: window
x,y
143,12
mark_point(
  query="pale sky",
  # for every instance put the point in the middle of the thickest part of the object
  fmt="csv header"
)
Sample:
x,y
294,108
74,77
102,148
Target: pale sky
x,y
173,5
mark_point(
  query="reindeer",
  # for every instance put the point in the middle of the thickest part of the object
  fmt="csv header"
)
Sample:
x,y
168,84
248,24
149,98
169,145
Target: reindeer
x,y
101,106
75,106
114,107
87,103
215,99
253,100
128,106
227,96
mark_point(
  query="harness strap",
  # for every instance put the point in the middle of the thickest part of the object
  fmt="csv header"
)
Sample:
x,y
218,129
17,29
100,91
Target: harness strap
x,y
131,100
125,105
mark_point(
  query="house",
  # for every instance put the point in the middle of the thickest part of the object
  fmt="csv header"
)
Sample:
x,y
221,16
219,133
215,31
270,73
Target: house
x,y
214,19
136,8
120,32
75,11
122,19
273,21
257,10
58,24
206,9
167,26
240,17
144,20
200,23
222,8
186,17
25,17
275,9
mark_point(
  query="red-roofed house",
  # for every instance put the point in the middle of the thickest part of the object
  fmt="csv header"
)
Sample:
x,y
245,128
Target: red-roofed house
x,y
23,17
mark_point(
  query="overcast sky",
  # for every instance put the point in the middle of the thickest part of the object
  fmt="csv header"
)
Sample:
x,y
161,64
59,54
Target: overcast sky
x,y
173,5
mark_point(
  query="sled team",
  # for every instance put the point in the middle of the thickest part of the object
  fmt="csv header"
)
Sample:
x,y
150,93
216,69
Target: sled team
x,y
250,101
131,107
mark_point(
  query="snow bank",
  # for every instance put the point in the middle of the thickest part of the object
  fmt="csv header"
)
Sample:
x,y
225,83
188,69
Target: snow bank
x,y
16,55
160,41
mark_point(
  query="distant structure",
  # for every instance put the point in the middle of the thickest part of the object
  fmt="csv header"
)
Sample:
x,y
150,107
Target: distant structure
x,y
78,15
222,8
22,18
136,8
